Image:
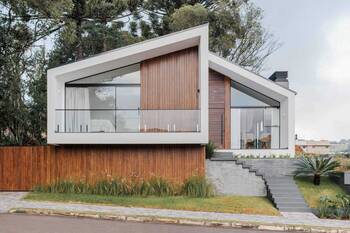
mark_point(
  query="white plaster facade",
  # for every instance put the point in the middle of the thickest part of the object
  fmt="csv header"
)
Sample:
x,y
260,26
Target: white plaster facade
x,y
197,36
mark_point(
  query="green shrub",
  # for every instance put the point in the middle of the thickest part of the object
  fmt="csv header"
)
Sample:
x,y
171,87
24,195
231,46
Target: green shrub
x,y
338,207
140,188
209,150
316,166
197,186
326,208
160,187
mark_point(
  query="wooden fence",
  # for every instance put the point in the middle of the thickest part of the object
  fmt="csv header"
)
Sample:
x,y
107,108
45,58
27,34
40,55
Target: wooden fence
x,y
21,168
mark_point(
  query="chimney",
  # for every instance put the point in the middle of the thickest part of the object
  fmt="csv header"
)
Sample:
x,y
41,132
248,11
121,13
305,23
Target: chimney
x,y
281,78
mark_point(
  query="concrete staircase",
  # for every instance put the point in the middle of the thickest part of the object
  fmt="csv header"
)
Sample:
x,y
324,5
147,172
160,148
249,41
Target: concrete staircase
x,y
285,194
281,189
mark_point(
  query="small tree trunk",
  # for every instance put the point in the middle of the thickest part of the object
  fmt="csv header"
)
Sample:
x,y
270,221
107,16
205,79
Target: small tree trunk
x,y
317,179
79,49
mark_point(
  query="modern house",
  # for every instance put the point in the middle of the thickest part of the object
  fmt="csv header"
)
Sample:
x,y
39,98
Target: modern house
x,y
169,95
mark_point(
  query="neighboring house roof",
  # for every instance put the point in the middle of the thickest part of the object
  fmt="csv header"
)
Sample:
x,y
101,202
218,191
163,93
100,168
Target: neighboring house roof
x,y
302,142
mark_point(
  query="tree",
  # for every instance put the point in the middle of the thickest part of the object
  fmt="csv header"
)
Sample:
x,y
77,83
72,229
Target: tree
x,y
188,16
18,34
316,166
235,27
36,100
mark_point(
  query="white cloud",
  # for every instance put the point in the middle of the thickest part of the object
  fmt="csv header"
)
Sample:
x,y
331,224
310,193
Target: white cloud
x,y
324,106
335,64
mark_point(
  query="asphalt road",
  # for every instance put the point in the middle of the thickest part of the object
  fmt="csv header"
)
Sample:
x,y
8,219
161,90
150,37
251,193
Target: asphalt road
x,y
16,223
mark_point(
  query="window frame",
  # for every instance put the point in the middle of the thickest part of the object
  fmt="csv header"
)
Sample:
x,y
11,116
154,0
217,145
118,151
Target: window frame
x,y
261,97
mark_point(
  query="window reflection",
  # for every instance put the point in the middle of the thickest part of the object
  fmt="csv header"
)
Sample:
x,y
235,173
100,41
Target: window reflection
x,y
254,120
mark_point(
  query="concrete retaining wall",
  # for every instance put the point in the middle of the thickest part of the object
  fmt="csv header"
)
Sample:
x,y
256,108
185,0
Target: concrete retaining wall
x,y
273,167
231,179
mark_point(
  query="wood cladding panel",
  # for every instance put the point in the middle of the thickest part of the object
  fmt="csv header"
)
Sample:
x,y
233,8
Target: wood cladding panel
x,y
170,81
21,168
219,109
227,117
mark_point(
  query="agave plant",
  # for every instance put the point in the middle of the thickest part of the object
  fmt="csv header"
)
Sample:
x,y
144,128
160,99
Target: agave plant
x,y
316,166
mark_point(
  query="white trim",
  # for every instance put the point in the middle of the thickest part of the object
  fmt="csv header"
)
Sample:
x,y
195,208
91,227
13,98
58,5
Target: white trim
x,y
57,77
285,96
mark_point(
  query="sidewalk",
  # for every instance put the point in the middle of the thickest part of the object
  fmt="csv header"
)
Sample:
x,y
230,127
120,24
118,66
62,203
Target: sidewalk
x,y
287,221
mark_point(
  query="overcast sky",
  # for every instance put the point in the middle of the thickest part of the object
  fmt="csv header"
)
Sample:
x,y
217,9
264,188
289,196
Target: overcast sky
x,y
316,53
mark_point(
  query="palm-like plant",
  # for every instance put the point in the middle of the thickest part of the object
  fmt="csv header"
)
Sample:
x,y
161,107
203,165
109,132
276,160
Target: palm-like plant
x,y
316,166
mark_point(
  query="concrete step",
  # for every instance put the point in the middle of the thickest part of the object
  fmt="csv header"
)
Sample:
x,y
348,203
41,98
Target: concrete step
x,y
222,154
283,189
294,209
290,205
222,159
288,199
278,196
279,180
282,186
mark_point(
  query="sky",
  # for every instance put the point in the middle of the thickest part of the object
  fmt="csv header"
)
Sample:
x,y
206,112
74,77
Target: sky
x,y
315,37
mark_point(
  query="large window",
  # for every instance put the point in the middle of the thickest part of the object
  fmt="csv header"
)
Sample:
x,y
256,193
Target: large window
x,y
109,102
106,102
255,119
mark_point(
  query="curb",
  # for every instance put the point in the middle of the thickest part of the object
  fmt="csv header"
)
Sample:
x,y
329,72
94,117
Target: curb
x,y
179,221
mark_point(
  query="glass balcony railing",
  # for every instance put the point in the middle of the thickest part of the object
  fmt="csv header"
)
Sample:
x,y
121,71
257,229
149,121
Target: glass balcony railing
x,y
126,121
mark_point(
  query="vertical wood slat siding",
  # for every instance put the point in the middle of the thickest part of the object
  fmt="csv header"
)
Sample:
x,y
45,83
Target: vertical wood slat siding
x,y
227,123
170,81
21,168
219,110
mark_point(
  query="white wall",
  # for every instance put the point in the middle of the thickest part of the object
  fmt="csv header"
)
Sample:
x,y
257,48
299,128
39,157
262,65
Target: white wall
x,y
57,78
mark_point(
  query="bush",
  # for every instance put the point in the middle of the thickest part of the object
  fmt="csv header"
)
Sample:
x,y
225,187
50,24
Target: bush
x,y
114,187
197,186
338,207
209,150
160,187
316,166
64,187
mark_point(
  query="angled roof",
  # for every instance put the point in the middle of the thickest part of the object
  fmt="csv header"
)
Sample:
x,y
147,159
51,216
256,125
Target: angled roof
x,y
248,78
159,46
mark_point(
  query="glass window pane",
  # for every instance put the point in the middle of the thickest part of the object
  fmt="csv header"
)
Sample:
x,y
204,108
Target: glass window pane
x,y
90,97
242,96
240,99
255,128
125,75
128,97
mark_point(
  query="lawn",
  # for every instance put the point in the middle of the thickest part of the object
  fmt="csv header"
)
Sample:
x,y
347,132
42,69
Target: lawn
x,y
312,193
226,204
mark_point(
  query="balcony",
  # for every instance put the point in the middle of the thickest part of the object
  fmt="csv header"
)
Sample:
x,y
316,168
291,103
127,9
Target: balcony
x,y
126,121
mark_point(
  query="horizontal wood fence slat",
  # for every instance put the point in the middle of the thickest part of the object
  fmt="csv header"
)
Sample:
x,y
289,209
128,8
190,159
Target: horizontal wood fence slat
x,y
21,168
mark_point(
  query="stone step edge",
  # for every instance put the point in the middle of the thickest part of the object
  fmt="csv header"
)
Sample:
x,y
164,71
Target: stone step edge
x,y
181,221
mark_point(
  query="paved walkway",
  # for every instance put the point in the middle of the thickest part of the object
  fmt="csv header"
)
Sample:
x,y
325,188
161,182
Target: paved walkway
x,y
13,200
16,223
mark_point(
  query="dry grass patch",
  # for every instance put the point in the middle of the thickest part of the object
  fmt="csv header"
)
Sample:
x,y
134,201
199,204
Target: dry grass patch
x,y
312,193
